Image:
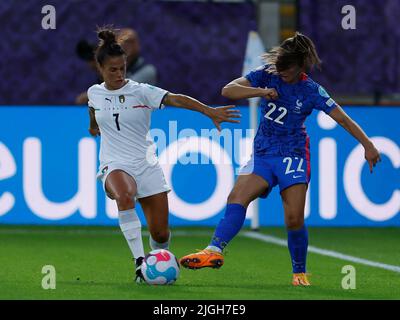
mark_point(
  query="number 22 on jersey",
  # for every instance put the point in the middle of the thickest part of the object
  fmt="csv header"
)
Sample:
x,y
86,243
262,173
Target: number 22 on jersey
x,y
282,110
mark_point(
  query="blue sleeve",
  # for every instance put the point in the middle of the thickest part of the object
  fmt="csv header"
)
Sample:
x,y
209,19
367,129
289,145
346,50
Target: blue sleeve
x,y
321,99
258,77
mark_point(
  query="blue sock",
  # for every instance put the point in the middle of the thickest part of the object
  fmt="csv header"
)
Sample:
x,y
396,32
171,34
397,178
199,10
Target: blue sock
x,y
298,243
229,225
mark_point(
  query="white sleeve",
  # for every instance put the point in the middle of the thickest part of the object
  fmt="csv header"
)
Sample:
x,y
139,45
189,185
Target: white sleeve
x,y
90,102
152,96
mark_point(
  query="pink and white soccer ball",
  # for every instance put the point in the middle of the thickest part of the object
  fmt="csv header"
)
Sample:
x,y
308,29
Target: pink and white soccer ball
x,y
160,267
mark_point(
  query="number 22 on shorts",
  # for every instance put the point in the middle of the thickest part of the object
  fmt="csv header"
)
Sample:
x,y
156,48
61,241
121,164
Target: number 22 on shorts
x,y
290,161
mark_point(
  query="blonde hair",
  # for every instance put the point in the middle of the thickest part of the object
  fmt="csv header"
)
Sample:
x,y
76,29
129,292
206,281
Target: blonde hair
x,y
298,50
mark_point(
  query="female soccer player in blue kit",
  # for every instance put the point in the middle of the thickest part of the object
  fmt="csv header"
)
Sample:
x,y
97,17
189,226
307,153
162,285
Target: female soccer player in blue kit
x,y
281,153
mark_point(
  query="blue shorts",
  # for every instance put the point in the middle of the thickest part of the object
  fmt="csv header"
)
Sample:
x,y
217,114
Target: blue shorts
x,y
285,171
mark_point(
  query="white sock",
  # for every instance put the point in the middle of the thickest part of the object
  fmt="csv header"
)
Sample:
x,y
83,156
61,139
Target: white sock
x,y
132,229
154,245
214,248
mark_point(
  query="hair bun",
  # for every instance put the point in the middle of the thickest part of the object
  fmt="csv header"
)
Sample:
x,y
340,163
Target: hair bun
x,y
108,36
108,45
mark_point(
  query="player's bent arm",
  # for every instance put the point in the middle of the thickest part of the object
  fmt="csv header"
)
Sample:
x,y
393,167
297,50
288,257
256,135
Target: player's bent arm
x,y
241,88
93,122
185,102
217,115
93,126
341,117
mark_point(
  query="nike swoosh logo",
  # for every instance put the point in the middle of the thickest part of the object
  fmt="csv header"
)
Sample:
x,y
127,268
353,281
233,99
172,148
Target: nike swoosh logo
x,y
297,177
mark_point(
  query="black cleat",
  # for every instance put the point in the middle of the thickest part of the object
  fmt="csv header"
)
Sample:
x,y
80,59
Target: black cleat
x,y
139,276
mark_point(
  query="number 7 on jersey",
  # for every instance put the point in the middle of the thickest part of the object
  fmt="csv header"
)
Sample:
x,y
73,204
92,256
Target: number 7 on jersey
x,y
116,115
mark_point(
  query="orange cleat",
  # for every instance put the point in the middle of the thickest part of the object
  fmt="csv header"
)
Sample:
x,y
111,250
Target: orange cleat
x,y
300,279
203,259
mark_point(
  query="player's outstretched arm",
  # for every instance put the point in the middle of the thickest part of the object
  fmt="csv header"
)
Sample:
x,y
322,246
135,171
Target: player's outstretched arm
x,y
93,126
371,153
241,88
217,115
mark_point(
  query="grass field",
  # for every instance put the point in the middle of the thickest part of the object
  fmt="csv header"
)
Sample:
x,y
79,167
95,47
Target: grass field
x,y
95,263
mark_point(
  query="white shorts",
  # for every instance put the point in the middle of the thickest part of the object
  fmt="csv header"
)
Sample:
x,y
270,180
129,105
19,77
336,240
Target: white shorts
x,y
149,179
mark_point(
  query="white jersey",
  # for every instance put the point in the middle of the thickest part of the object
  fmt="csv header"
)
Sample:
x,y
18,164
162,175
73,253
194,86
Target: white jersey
x,y
124,117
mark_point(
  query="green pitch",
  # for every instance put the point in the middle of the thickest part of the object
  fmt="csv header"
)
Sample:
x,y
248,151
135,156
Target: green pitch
x,y
95,263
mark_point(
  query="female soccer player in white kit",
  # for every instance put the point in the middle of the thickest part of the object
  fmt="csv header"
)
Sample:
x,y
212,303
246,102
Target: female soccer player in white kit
x,y
120,110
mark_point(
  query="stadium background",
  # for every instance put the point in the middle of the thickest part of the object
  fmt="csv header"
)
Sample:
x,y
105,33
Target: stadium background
x,y
54,213
195,54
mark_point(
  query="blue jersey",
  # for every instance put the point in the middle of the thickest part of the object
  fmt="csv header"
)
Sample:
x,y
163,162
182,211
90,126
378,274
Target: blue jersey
x,y
281,131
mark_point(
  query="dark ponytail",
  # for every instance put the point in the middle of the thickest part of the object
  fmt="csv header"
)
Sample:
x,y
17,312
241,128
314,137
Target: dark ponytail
x,y
108,46
295,51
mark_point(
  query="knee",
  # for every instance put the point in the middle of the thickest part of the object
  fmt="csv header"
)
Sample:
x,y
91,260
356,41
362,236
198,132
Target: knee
x,y
237,197
160,236
124,201
294,222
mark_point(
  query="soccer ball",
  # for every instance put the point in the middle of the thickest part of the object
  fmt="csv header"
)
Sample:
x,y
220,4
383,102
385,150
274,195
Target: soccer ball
x,y
160,267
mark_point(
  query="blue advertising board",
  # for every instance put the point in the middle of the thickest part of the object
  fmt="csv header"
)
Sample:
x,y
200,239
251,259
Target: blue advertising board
x,y
48,165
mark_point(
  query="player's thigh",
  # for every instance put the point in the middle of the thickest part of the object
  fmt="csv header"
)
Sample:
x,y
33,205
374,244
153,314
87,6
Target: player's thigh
x,y
119,184
155,209
294,199
247,188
